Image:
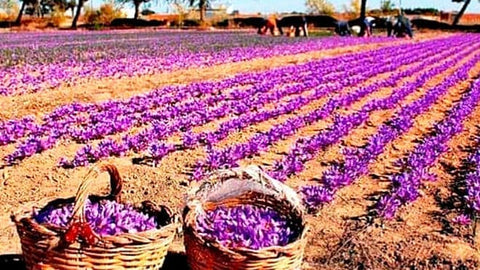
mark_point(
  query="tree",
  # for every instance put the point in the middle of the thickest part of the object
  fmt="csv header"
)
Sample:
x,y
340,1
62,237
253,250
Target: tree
x,y
202,6
320,6
6,4
71,5
462,11
41,7
103,16
180,10
60,5
137,4
10,7
147,12
387,6
354,8
363,9
77,14
25,3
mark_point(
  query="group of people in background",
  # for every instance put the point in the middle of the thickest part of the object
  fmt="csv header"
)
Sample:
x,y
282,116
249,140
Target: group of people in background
x,y
397,26
365,28
272,23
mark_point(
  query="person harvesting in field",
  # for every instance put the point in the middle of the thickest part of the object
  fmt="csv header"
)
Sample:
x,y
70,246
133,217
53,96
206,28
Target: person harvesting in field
x,y
301,28
271,23
367,26
402,27
343,29
399,26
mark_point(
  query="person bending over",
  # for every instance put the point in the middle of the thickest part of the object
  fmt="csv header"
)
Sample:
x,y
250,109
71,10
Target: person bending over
x,y
343,29
271,24
402,27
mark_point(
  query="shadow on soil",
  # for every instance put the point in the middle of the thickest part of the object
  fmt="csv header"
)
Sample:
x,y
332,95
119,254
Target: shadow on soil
x,y
456,203
173,261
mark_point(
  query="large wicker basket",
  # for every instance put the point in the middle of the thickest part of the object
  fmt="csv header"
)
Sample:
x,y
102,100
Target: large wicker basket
x,y
45,247
235,187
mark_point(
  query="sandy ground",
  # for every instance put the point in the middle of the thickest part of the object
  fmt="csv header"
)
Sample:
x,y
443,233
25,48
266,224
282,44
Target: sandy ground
x,y
343,235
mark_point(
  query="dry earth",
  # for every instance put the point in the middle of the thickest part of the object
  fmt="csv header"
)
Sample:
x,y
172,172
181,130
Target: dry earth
x,y
343,236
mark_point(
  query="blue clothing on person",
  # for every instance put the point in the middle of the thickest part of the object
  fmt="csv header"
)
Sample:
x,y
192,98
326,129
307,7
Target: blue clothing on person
x,y
343,29
399,27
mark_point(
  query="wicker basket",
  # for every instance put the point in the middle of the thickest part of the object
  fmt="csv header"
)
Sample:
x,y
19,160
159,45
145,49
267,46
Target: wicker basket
x,y
236,187
46,247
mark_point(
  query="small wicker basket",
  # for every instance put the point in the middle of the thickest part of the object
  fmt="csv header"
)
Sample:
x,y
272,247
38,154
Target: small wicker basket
x,y
236,187
45,247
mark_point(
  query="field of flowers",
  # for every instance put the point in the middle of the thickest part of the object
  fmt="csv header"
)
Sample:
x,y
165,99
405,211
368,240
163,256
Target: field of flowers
x,y
379,136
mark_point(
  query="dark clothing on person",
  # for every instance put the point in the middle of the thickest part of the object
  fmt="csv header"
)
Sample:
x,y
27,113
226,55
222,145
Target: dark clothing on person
x,y
270,24
343,29
389,24
400,28
366,29
304,28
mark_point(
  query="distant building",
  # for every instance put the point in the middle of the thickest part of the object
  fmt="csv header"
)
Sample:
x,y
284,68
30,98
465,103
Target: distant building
x,y
210,13
467,18
216,12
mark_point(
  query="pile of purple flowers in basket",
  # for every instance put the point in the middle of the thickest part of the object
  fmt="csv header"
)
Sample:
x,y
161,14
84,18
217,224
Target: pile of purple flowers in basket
x,y
245,226
105,217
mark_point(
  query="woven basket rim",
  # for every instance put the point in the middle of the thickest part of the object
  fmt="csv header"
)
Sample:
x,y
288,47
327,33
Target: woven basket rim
x,y
252,172
192,228
25,214
193,203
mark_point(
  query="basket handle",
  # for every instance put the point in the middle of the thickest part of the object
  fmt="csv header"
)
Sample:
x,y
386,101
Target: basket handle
x,y
77,225
256,172
83,190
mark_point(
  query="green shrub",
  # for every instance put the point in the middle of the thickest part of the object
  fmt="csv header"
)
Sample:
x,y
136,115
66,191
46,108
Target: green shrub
x,y
103,16
57,17
8,11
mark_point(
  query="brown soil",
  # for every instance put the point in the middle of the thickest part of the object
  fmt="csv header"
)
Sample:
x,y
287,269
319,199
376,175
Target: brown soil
x,y
104,89
343,235
415,238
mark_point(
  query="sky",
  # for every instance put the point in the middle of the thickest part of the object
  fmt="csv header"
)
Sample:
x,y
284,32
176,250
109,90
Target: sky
x,y
270,6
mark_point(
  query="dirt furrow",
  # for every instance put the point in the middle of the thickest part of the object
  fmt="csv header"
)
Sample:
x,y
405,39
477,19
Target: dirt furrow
x,y
121,88
415,222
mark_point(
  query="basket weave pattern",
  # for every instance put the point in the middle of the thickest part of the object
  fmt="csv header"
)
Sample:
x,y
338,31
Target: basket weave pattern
x,y
224,188
43,246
